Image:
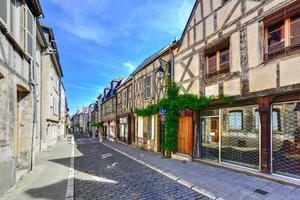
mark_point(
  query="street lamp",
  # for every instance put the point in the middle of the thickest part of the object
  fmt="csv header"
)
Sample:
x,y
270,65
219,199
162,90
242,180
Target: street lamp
x,y
160,72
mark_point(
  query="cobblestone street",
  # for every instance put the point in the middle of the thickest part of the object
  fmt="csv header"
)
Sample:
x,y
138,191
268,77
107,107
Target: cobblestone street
x,y
102,173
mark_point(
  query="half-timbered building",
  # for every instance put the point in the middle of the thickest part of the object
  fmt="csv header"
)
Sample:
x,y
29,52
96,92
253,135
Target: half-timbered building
x,y
124,112
108,109
148,88
248,49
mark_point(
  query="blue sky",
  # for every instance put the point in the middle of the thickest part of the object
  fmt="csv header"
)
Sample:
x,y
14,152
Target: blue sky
x,y
102,39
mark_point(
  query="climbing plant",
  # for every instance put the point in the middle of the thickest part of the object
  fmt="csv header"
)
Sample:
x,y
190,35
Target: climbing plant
x,y
175,103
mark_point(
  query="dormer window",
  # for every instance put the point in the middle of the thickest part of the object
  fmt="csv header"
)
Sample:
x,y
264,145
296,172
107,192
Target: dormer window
x,y
218,59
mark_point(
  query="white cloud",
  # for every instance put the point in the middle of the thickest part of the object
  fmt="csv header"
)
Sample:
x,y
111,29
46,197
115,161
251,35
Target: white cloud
x,y
129,66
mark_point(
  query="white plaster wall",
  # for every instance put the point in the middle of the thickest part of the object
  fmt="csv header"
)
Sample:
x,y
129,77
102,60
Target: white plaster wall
x,y
212,90
253,45
235,52
290,71
232,87
262,78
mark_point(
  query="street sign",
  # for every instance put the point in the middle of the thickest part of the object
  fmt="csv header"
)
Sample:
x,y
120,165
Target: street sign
x,y
162,118
162,111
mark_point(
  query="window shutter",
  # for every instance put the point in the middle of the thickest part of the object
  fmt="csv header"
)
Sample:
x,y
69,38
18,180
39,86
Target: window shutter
x,y
212,64
4,11
295,30
29,32
224,60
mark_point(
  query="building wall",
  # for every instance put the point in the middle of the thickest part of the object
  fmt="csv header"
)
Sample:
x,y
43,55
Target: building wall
x,y
242,23
15,104
140,101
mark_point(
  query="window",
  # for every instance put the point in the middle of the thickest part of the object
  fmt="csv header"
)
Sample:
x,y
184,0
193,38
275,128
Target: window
x,y
236,120
15,20
29,28
295,30
276,39
257,120
148,86
282,32
218,59
124,99
276,120
4,11
110,107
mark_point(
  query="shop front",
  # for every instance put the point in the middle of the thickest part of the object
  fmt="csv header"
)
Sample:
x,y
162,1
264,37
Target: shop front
x,y
124,135
146,137
231,136
286,139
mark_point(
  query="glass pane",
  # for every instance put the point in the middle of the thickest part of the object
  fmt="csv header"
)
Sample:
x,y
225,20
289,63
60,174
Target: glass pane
x,y
29,44
286,139
29,21
224,57
3,10
210,135
240,136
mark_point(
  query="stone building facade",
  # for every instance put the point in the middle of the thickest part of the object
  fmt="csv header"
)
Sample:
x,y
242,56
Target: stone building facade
x,y
250,50
51,90
17,54
22,47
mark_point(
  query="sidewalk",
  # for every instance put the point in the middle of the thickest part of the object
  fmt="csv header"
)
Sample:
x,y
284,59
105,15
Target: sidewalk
x,y
48,180
222,183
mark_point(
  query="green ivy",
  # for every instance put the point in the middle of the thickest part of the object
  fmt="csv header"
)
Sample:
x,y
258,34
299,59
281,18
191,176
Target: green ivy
x,y
175,103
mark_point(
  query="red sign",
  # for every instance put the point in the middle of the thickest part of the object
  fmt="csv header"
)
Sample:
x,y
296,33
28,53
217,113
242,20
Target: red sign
x,y
162,118
188,112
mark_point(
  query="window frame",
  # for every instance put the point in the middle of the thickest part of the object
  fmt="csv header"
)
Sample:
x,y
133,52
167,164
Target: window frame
x,y
218,51
242,120
146,87
288,48
27,31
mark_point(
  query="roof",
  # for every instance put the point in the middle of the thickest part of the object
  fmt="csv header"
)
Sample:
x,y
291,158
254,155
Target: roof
x,y
186,25
35,7
124,81
53,43
151,58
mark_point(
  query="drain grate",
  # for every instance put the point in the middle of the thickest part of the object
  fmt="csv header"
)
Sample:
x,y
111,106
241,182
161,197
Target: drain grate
x,y
262,192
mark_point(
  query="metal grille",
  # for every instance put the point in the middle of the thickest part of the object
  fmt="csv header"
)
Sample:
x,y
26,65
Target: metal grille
x,y
240,136
286,139
209,135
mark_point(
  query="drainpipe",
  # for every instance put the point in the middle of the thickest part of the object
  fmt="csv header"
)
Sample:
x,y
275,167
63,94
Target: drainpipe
x,y
33,84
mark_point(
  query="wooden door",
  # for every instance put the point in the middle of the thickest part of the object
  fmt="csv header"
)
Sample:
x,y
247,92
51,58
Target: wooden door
x,y
185,135
214,128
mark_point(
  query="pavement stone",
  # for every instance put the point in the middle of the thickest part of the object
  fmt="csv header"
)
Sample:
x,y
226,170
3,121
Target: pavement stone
x,y
119,177
212,178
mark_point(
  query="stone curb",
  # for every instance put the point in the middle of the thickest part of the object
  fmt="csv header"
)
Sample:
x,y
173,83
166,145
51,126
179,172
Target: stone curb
x,y
175,178
71,182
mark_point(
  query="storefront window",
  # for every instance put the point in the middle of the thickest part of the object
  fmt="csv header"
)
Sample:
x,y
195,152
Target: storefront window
x,y
240,136
210,135
286,139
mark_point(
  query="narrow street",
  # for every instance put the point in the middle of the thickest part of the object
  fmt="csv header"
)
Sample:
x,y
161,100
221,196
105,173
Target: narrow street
x,y
102,173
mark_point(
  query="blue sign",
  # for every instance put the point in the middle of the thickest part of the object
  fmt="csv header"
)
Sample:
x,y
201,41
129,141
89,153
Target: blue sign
x,y
162,111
